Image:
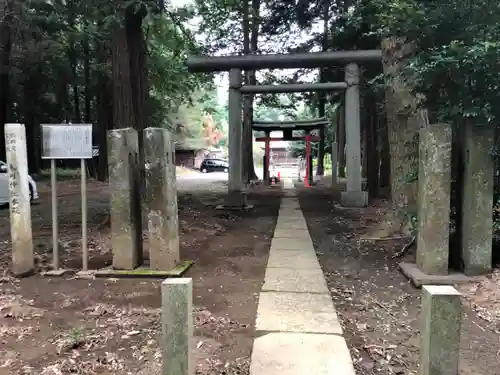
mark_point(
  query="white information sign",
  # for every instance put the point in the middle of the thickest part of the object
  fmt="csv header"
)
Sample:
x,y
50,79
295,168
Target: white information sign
x,y
67,141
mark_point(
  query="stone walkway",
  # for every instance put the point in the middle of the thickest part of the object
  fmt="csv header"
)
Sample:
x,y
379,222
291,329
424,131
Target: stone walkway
x,y
298,332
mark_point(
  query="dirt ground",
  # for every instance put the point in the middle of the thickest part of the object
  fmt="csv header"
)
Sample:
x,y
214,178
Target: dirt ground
x,y
378,307
53,326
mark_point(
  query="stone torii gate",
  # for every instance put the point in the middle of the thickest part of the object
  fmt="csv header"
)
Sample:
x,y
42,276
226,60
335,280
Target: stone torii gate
x,y
354,196
288,127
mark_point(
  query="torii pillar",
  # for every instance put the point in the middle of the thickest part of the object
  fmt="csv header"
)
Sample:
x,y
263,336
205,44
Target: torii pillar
x,y
354,196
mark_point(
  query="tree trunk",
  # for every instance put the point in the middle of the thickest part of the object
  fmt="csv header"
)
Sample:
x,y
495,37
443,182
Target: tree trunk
x,y
31,95
105,121
86,73
6,10
383,149
123,107
73,63
371,155
341,141
403,126
320,167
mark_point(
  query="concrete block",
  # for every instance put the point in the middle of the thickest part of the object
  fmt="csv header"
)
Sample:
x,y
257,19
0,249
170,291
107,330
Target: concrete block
x,y
297,312
177,326
293,259
297,243
434,185
161,199
477,220
440,335
355,199
301,235
292,280
300,354
124,188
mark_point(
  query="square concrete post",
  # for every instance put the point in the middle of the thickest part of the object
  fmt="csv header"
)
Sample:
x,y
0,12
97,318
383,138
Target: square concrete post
x,y
161,205
334,163
354,196
477,205
440,335
235,197
434,188
124,188
23,260
177,326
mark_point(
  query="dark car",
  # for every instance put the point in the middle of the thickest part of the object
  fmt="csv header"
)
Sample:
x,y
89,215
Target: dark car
x,y
214,165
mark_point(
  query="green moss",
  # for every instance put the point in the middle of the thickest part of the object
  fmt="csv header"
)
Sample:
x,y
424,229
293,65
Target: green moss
x,y
144,272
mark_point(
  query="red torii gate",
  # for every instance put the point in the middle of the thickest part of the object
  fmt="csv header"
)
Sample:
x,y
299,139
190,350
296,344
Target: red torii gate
x,y
288,127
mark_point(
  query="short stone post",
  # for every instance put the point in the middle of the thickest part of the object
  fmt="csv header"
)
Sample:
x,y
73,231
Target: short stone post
x,y
440,335
477,205
161,200
23,260
124,186
334,163
353,196
177,326
434,185
235,197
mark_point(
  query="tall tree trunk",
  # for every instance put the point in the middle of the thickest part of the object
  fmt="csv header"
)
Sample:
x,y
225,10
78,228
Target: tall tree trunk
x,y
105,122
383,147
250,40
31,95
86,74
371,151
123,107
403,128
6,16
73,62
320,168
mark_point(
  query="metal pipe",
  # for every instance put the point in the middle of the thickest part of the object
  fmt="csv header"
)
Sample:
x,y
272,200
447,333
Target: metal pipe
x,y
281,61
85,248
55,224
294,87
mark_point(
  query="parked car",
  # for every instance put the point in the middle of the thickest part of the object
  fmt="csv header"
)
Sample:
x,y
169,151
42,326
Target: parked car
x,y
4,185
214,165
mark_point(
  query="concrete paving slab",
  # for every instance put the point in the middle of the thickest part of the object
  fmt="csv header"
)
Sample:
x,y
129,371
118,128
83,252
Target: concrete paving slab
x,y
297,243
289,280
297,312
294,259
300,354
301,234
292,226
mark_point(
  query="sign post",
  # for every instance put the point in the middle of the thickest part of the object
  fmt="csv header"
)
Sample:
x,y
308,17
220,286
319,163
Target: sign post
x,y
67,141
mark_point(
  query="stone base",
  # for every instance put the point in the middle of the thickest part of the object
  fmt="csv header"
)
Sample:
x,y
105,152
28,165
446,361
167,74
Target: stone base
x,y
354,198
145,272
418,278
235,201
58,273
223,207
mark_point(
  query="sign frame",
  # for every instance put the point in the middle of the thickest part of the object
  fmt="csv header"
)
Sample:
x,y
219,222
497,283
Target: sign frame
x,y
82,132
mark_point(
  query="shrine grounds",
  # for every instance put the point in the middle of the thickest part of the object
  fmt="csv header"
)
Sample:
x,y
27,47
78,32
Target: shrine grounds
x,y
53,326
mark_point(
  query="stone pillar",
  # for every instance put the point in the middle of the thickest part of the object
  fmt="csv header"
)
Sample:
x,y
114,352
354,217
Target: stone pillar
x,y
354,196
440,335
124,188
23,260
334,163
161,200
235,197
434,185
477,205
177,326
173,207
